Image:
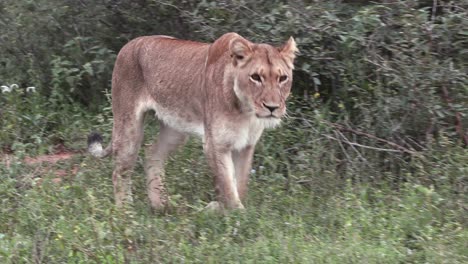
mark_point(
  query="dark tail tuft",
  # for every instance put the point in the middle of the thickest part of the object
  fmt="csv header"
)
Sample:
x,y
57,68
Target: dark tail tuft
x,y
94,137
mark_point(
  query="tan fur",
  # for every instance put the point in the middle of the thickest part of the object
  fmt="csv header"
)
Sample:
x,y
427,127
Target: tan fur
x,y
208,90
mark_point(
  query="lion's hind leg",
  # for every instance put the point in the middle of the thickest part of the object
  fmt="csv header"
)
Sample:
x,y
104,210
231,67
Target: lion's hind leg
x,y
167,142
126,141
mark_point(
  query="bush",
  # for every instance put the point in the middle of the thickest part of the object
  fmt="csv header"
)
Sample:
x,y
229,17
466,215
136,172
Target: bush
x,y
370,166
385,82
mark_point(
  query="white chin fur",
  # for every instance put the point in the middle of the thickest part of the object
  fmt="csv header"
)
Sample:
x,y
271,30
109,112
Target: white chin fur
x,y
269,123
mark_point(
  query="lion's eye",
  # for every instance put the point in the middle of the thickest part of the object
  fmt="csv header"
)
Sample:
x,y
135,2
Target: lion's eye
x,y
283,78
256,77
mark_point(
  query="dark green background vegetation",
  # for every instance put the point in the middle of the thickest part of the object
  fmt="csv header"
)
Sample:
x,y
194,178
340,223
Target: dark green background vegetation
x,y
370,167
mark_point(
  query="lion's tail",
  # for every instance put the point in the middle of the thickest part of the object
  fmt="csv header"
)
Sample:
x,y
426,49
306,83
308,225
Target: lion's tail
x,y
95,146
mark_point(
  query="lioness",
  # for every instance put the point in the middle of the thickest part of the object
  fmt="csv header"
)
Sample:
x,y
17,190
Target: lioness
x,y
226,92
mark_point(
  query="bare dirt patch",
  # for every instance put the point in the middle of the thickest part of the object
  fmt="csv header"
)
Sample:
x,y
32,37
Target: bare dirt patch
x,y
47,164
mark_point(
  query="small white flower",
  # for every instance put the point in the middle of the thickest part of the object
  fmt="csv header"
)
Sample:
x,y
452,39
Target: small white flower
x,y
31,89
252,171
14,86
5,89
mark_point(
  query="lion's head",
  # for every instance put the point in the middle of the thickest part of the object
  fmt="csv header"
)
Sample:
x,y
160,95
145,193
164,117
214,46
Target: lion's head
x,y
263,77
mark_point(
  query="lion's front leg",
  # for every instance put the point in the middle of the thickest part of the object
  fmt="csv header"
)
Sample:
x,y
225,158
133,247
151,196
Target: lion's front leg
x,y
242,165
220,161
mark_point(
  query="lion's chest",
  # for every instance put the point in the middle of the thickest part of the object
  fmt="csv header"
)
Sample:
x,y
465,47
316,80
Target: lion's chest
x,y
248,135
238,135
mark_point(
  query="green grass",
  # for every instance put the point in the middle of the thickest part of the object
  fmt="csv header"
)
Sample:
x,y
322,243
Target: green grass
x,y
285,222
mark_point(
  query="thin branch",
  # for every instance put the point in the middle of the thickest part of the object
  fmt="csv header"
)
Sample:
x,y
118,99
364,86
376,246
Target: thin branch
x,y
360,133
363,146
348,142
458,118
434,10
341,146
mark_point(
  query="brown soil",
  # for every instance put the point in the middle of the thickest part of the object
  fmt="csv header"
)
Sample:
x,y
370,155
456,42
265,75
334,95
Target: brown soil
x,y
46,164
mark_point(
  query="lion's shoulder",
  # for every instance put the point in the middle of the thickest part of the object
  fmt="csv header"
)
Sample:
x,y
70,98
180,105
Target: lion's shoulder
x,y
220,46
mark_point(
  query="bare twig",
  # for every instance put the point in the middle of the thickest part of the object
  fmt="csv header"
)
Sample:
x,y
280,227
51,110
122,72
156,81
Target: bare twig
x,y
347,141
434,10
458,119
363,146
341,146
360,133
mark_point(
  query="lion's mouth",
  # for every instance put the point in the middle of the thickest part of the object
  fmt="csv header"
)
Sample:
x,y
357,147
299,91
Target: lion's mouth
x,y
270,116
263,113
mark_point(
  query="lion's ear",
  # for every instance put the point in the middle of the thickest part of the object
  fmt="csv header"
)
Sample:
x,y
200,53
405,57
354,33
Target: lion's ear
x,y
289,51
240,49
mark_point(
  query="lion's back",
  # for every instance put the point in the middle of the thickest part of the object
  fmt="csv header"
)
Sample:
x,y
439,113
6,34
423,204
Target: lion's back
x,y
161,54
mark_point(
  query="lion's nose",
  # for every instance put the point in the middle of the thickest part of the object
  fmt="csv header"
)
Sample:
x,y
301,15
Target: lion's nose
x,y
271,106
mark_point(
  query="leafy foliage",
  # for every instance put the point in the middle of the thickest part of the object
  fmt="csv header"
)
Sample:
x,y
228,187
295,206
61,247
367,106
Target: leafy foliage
x,y
370,166
394,69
